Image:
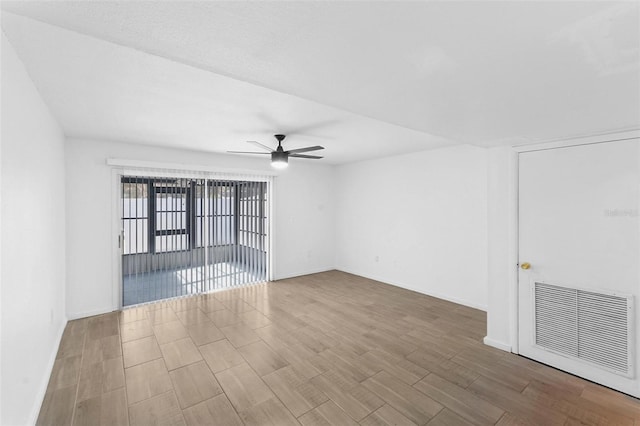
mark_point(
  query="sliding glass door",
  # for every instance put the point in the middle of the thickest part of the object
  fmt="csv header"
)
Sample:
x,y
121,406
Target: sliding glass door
x,y
186,236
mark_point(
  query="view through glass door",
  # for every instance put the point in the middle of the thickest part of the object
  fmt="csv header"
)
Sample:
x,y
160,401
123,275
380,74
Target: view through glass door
x,y
187,236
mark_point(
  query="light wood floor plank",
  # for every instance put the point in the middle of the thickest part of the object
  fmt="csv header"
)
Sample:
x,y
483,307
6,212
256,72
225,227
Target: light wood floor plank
x,y
356,401
447,417
410,402
297,393
459,400
135,330
328,414
87,411
180,353
57,407
169,331
223,317
221,355
114,408
140,351
215,411
159,410
269,413
194,383
65,373
515,402
204,332
72,341
386,415
579,408
147,380
192,316
261,358
243,387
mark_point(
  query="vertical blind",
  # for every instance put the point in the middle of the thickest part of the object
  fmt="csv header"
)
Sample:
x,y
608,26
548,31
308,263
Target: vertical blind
x,y
190,235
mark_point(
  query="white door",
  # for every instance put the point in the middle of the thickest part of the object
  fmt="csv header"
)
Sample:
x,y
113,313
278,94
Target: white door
x,y
579,232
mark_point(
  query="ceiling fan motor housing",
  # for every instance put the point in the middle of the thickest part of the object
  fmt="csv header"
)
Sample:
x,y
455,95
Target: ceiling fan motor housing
x,y
279,156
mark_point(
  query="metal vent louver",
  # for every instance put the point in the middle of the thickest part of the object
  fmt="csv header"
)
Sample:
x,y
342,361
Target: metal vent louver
x,y
593,327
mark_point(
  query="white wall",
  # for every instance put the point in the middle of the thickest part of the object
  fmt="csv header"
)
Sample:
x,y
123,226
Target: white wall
x,y
33,242
417,221
304,217
502,247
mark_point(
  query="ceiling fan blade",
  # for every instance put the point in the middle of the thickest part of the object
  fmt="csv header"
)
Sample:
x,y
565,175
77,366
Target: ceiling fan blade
x,y
248,152
313,157
260,145
307,149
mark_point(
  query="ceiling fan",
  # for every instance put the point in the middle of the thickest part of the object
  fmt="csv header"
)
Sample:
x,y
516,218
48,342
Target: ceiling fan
x,y
280,157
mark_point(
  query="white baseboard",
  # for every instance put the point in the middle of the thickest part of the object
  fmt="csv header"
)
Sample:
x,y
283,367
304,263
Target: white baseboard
x,y
85,314
35,411
496,344
417,290
301,273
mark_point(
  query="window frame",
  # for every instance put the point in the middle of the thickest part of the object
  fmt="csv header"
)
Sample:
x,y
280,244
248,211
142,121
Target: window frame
x,y
190,228
153,212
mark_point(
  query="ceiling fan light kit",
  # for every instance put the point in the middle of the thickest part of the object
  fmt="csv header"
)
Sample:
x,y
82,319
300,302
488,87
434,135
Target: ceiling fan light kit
x,y
280,157
279,160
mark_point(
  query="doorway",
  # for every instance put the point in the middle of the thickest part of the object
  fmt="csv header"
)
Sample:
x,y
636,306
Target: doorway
x,y
185,236
579,252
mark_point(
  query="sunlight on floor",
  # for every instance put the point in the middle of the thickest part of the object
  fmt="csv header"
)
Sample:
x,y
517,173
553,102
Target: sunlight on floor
x,y
159,285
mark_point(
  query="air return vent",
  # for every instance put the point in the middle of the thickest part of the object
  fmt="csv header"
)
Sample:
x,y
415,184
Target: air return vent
x,y
593,327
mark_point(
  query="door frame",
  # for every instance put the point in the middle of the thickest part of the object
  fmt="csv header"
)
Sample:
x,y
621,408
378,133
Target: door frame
x,y
124,167
117,242
514,215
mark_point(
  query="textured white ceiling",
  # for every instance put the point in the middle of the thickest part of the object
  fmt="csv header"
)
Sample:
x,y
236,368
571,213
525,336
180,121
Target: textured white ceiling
x,y
485,73
101,90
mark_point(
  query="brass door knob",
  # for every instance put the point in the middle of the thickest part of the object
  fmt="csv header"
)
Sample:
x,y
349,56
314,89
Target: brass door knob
x,y
525,265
